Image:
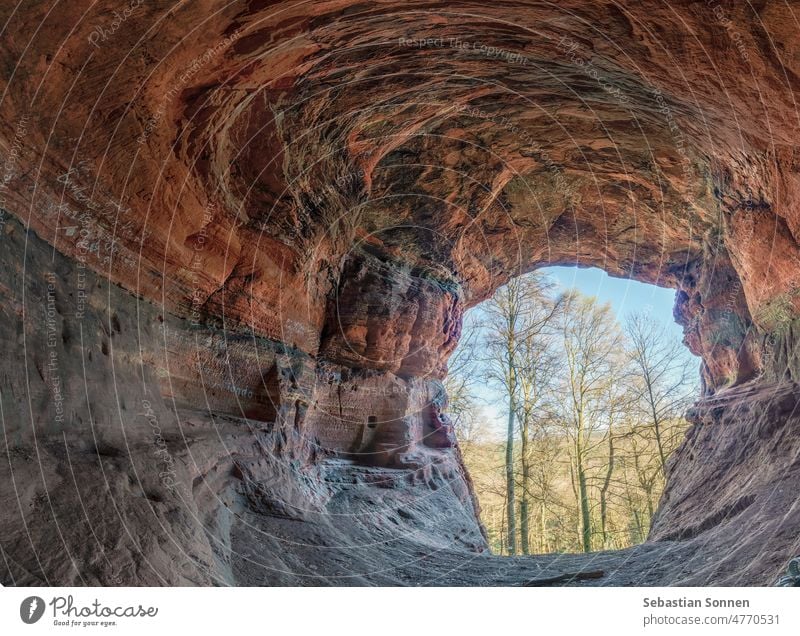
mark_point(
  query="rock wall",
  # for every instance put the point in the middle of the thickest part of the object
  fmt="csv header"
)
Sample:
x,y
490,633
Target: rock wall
x,y
743,455
143,450
254,228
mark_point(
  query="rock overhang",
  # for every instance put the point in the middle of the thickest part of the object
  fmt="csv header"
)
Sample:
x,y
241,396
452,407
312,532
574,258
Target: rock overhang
x,y
339,182
259,143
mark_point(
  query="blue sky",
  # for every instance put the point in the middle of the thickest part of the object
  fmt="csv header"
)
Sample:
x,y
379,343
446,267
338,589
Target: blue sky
x,y
624,294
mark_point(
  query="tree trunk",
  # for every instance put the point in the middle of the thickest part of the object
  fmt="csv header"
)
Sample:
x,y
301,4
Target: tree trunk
x,y
584,513
604,491
639,528
543,528
503,537
586,521
524,505
662,457
650,509
511,504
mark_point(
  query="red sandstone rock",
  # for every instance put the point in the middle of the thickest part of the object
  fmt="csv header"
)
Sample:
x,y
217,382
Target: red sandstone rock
x,y
310,195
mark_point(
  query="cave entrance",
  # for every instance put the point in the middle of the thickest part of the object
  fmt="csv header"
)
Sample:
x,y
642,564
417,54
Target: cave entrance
x,y
568,392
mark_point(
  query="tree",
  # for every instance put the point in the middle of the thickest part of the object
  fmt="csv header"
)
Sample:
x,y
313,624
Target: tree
x,y
591,413
592,340
541,477
462,369
537,364
617,409
513,312
663,384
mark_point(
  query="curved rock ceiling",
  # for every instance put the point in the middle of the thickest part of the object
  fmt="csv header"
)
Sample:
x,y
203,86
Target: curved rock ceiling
x,y
300,199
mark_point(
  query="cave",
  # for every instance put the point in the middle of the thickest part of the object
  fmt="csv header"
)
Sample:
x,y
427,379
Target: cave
x,y
235,239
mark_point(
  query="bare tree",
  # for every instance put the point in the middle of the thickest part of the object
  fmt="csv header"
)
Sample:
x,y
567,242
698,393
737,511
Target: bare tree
x,y
541,485
537,364
591,340
514,310
618,403
593,414
664,381
463,370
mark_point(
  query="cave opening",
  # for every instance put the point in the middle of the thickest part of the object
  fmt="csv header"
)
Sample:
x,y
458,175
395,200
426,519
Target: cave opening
x,y
253,255
568,393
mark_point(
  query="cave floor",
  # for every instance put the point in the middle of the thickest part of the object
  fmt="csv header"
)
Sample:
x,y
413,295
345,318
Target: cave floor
x,y
388,533
642,565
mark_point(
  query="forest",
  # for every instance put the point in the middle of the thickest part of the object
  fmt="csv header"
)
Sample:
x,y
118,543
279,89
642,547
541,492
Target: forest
x,y
592,407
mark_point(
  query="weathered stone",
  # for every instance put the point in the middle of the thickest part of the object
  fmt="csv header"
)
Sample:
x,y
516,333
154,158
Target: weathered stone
x,y
267,220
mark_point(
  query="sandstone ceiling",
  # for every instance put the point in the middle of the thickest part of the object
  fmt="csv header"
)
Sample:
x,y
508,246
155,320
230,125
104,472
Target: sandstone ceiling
x,y
343,179
213,156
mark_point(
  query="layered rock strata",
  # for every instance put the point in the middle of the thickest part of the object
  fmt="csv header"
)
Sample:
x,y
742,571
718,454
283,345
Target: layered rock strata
x,y
239,241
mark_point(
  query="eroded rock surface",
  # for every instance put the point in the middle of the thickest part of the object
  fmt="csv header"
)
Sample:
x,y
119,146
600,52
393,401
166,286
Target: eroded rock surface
x,y
239,240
